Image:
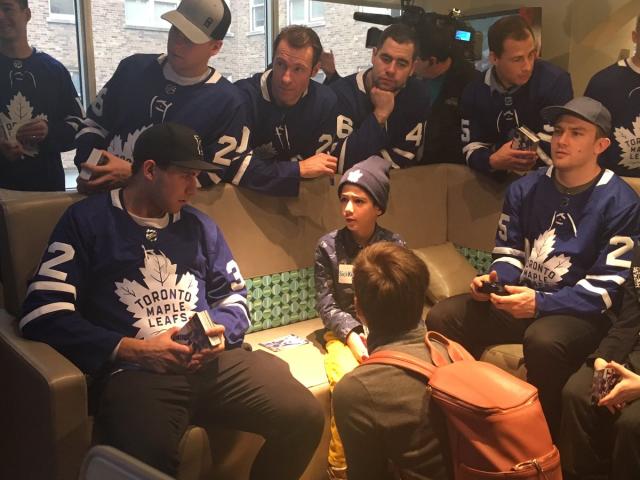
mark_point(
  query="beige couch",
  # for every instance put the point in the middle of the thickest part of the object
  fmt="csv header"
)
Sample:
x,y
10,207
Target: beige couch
x,y
46,429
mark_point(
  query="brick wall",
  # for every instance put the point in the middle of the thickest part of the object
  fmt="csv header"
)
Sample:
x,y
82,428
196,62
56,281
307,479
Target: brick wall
x,y
242,55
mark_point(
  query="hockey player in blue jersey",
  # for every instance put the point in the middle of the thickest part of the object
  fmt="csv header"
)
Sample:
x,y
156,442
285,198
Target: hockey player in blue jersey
x,y
618,88
563,247
382,111
511,94
178,86
39,107
123,271
293,119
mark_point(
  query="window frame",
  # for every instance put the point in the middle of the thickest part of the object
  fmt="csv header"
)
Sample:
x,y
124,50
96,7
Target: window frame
x,y
308,20
252,26
149,15
61,17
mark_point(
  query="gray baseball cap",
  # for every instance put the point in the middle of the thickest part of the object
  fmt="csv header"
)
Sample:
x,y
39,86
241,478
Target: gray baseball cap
x,y
585,108
201,20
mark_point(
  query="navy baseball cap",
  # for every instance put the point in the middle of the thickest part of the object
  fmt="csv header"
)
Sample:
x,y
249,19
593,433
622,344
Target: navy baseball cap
x,y
171,144
585,108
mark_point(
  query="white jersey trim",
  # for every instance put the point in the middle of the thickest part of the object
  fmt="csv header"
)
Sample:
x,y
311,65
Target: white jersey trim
x,y
52,286
597,290
360,81
44,310
508,251
607,278
243,168
519,265
606,177
264,88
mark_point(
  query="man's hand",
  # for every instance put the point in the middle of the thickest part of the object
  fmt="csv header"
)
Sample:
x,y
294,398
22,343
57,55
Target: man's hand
x,y
159,354
383,103
507,158
33,132
520,304
357,342
113,174
318,165
11,150
626,391
328,64
205,356
477,282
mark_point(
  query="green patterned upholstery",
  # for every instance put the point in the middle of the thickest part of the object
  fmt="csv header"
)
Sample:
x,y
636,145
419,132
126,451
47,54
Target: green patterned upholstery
x,y
480,260
288,297
281,298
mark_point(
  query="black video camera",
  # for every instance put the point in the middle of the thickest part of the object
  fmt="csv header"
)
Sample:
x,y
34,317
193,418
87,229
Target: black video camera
x,y
463,37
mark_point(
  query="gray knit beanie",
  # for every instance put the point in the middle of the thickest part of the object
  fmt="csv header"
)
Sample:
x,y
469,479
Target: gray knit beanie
x,y
372,175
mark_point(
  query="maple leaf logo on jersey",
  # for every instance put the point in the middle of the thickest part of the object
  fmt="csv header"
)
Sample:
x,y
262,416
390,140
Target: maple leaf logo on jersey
x,y
629,143
125,150
19,112
541,268
354,176
164,301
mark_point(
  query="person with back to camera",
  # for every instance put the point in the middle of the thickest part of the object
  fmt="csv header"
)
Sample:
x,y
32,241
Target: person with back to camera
x,y
563,246
384,414
445,73
363,193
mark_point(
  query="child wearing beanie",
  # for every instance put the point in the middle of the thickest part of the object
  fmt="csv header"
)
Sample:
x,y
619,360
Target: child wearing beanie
x,y
363,191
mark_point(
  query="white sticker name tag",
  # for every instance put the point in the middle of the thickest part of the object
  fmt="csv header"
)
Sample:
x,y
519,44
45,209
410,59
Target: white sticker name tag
x,y
345,274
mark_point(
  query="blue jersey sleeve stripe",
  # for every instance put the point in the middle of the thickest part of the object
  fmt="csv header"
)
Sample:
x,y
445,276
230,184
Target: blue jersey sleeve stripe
x,y
45,310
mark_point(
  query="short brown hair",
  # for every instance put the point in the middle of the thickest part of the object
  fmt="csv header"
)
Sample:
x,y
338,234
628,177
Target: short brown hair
x,y
400,33
299,36
390,283
514,27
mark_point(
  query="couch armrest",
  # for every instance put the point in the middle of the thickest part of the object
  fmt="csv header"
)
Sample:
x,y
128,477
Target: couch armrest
x,y
46,429
449,272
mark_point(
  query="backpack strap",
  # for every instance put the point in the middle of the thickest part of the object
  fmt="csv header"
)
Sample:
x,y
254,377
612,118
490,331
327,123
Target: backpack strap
x,y
402,360
438,343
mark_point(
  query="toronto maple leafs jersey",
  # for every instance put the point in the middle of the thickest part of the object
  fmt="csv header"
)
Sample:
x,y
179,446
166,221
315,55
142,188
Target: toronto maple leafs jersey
x,y
138,96
37,87
281,136
360,135
490,115
618,88
105,276
574,250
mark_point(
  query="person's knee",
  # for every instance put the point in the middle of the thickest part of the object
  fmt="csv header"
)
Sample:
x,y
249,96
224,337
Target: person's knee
x,y
441,315
627,428
299,414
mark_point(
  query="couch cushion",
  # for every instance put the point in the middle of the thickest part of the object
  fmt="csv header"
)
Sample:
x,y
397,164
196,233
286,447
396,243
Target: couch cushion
x,y
449,272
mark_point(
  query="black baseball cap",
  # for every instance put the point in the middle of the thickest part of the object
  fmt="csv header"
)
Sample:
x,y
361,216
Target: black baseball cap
x,y
584,108
171,144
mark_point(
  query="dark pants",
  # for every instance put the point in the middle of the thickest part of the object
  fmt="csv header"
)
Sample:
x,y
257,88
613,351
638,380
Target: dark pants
x,y
594,443
554,346
146,414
